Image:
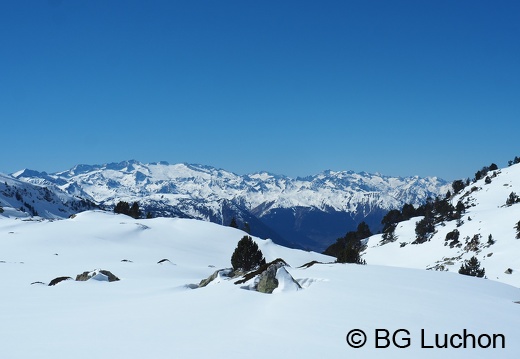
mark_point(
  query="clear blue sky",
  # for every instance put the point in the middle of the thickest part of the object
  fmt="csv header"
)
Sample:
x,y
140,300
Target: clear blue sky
x,y
429,88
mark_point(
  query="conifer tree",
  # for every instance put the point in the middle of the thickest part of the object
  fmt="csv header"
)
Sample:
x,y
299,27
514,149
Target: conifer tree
x,y
512,199
247,256
347,249
233,223
472,268
423,229
122,207
389,234
457,185
134,211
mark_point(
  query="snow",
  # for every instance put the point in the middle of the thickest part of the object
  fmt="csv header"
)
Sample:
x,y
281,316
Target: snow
x,y
153,312
486,215
285,282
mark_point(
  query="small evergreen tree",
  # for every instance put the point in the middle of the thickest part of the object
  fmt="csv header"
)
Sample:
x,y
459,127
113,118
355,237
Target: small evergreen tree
x,y
515,161
363,231
460,208
347,249
247,256
350,254
233,223
453,236
389,234
518,230
458,185
512,199
134,211
472,268
392,217
408,212
423,229
122,207
444,209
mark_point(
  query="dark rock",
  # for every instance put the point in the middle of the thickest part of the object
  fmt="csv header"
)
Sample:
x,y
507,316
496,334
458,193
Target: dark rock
x,y
265,277
310,264
267,281
98,274
58,280
228,272
258,271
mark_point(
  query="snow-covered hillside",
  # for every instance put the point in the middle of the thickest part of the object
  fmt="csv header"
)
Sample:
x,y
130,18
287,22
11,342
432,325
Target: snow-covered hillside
x,y
22,199
310,212
486,215
153,312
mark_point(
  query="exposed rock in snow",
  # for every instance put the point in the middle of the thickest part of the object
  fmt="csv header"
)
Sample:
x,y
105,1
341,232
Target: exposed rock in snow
x,y
98,274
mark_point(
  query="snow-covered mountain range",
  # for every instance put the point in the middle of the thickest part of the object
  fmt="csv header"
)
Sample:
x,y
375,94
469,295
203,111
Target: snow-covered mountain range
x,y
308,212
159,307
488,230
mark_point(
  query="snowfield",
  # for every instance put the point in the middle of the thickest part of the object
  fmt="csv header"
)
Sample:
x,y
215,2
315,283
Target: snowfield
x,y
154,312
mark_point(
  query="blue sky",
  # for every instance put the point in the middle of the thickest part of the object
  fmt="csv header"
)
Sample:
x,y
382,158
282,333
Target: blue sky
x,y
429,88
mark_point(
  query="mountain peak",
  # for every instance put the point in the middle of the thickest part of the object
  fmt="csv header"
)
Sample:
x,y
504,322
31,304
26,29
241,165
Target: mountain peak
x,y
28,173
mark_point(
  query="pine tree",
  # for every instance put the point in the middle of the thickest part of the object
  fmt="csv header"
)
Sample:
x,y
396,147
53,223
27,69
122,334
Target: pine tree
x,y
518,230
423,229
512,199
134,211
391,218
247,256
347,249
233,223
350,254
460,208
363,231
389,234
408,212
122,207
457,185
472,268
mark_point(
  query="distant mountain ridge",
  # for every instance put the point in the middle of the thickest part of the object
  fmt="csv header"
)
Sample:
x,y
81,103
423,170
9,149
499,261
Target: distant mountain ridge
x,y
308,212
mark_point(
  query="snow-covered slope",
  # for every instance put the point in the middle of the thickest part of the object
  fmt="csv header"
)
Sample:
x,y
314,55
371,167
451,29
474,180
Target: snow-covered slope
x,y
486,215
22,199
311,211
152,312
